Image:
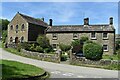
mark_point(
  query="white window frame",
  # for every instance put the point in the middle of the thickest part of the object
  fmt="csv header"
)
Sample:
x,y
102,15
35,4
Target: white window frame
x,y
93,37
55,38
107,47
75,34
103,35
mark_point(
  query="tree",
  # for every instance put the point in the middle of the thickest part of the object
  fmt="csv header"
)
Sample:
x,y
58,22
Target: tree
x,y
117,44
4,35
4,23
64,47
92,51
43,41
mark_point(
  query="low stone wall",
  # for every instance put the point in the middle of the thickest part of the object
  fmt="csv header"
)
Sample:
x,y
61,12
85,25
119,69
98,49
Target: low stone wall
x,y
42,56
82,60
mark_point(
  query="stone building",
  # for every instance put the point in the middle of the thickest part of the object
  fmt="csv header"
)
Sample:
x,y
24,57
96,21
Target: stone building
x,y
100,33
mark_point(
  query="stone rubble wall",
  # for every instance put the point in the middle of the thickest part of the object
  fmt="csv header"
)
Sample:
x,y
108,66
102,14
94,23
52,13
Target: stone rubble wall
x,y
82,60
42,56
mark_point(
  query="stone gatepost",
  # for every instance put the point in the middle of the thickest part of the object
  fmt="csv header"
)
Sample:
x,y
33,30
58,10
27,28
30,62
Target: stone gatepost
x,y
59,54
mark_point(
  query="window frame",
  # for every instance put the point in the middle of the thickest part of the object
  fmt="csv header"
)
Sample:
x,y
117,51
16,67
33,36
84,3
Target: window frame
x,y
106,47
22,27
54,36
11,39
75,35
54,46
94,35
103,35
11,27
22,39
16,28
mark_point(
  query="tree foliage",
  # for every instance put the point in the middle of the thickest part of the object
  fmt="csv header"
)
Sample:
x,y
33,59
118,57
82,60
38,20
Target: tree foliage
x,y
117,44
43,41
64,47
4,23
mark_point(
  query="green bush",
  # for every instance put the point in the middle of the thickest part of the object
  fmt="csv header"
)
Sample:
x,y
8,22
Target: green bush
x,y
92,51
39,49
25,46
64,47
43,41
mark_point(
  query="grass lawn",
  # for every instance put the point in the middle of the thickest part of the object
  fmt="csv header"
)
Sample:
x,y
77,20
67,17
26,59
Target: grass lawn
x,y
12,69
113,57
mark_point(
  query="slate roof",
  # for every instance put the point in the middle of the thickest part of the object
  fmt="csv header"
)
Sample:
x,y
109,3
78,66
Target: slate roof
x,y
69,28
34,21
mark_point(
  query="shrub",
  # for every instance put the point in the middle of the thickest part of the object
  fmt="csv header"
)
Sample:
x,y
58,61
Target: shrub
x,y
64,47
92,51
83,39
39,49
43,41
63,57
25,45
75,43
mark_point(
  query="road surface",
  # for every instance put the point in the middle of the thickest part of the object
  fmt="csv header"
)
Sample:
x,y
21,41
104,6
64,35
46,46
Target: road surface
x,y
62,70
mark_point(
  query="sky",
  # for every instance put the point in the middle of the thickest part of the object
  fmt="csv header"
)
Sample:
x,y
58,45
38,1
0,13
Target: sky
x,y
64,13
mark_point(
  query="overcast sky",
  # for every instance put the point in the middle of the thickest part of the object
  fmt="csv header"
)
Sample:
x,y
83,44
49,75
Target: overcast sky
x,y
64,13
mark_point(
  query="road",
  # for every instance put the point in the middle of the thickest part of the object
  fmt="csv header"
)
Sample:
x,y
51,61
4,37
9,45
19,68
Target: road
x,y
62,70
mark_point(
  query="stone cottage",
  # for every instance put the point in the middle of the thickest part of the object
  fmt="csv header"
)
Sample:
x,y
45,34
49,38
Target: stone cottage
x,y
23,28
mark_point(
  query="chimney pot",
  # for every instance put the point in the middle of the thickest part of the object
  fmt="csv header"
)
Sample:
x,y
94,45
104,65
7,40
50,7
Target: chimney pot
x,y
86,21
111,21
50,22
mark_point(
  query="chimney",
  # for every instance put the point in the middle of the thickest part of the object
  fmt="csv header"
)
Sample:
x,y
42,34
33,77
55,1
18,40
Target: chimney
x,y
86,21
111,21
42,19
50,22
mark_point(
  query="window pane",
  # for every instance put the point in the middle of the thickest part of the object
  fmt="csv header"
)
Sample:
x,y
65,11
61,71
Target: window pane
x,y
93,35
105,35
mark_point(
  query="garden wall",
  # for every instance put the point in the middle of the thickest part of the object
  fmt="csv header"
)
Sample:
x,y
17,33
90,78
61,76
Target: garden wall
x,y
42,56
82,60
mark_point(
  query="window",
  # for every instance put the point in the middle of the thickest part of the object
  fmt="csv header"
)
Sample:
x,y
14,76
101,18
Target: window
x,y
16,28
93,36
22,39
54,45
11,39
105,47
22,27
105,35
54,36
11,27
75,36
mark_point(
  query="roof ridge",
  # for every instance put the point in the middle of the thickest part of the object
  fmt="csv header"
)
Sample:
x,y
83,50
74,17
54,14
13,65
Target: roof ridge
x,y
31,17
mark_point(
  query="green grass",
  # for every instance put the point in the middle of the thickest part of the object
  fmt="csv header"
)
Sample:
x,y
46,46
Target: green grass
x,y
0,44
113,57
12,69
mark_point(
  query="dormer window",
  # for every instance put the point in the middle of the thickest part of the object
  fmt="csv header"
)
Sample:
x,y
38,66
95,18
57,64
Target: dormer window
x,y
105,35
75,36
22,27
93,35
54,35
11,27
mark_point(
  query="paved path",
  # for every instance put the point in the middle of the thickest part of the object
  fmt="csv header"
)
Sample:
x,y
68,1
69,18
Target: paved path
x,y
62,70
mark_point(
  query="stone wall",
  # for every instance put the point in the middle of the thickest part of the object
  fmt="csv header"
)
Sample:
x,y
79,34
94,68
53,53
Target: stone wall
x,y
67,38
42,56
82,60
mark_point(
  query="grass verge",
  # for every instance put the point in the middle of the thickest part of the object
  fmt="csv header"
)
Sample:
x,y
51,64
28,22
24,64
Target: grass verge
x,y
16,70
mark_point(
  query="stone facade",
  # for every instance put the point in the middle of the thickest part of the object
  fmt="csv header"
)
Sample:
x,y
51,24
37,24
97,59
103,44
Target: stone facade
x,y
62,33
28,28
